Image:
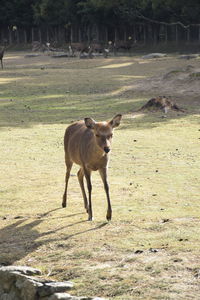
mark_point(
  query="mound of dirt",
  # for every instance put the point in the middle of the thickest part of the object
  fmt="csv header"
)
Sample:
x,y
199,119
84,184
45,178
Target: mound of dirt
x,y
182,81
185,74
161,103
189,56
178,73
154,55
176,82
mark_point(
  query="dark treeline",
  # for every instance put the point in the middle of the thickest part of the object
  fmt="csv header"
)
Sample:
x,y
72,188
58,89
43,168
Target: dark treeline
x,y
142,21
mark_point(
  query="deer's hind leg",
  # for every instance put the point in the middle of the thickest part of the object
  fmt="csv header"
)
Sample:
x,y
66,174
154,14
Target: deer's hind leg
x,y
80,175
69,164
87,174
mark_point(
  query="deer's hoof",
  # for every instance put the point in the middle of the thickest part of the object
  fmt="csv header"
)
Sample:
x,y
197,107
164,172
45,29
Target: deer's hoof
x,y
109,216
90,218
64,204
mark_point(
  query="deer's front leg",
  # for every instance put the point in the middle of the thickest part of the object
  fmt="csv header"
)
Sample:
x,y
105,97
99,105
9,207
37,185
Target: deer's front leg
x,y
69,166
103,173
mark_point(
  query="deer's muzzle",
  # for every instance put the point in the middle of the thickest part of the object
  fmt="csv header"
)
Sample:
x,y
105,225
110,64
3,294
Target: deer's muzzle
x,y
106,149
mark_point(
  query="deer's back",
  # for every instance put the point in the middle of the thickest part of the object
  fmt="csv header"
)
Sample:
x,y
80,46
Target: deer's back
x,y
77,142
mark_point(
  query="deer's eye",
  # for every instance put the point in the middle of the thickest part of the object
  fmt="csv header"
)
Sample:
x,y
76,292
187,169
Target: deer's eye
x,y
97,135
109,136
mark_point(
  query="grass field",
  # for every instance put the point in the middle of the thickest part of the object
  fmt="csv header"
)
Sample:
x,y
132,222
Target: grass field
x,y
151,248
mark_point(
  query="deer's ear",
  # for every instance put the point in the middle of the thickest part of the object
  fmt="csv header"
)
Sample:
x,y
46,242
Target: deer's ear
x,y
89,123
116,121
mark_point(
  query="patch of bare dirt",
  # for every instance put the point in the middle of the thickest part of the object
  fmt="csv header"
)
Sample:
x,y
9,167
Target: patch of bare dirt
x,y
177,82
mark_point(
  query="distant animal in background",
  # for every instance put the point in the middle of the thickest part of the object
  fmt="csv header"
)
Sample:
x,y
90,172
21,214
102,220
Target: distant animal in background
x,y
88,143
80,48
1,55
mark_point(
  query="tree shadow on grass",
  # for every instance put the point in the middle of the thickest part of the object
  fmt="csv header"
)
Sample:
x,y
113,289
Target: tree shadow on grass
x,y
59,112
21,238
54,111
55,103
149,120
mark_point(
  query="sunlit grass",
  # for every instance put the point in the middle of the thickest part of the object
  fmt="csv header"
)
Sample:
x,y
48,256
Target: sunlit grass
x,y
113,66
9,80
125,77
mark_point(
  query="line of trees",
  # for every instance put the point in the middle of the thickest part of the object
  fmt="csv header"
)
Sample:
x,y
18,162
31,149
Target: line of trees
x,y
146,21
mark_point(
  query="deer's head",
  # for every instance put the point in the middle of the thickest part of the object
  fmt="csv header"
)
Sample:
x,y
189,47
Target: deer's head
x,y
103,131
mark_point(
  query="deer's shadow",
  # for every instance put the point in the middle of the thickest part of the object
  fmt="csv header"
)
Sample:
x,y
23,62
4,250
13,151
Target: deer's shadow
x,y
22,237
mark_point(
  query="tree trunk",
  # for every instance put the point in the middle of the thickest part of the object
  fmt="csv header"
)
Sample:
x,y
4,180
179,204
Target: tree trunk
x,y
40,35
199,33
17,36
188,35
97,31
47,35
32,34
134,33
155,35
88,34
106,33
166,35
2,35
55,35
125,35
79,35
71,35
25,36
144,34
176,30
115,39
10,36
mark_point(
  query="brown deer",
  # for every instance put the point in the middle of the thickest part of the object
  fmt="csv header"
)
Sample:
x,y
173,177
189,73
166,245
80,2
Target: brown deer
x,y
101,47
79,47
123,45
1,55
88,143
